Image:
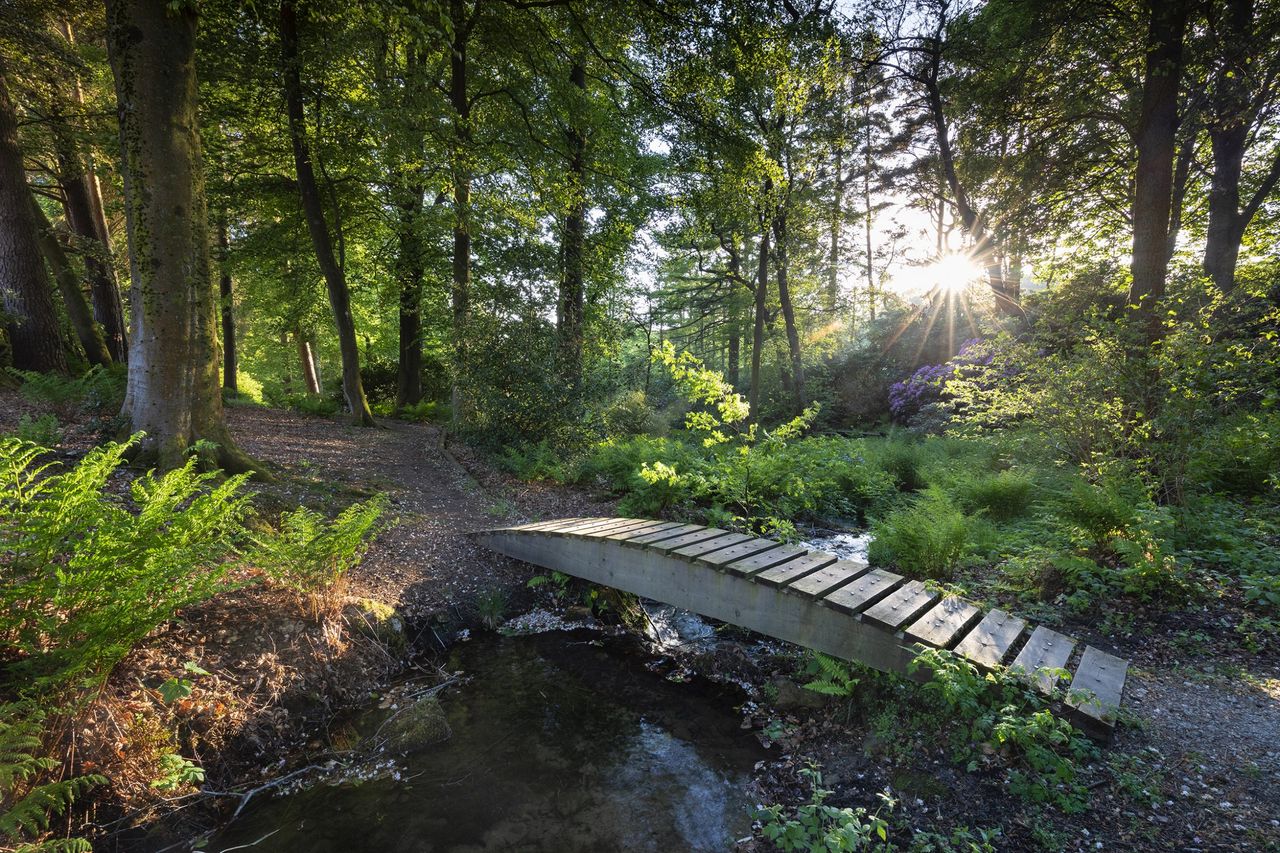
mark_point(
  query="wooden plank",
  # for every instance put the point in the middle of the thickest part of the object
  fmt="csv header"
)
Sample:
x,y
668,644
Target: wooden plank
x,y
709,545
622,526
902,606
733,553
826,579
652,527
1046,650
785,573
942,624
548,523
669,533
1096,690
863,592
765,560
989,641
580,525
702,534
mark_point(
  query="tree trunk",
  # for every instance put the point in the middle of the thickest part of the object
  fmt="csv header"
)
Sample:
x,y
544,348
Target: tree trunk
x,y
1233,114
572,287
226,298
757,337
410,257
313,209
734,356
410,271
307,358
34,335
77,203
460,291
87,332
82,205
837,211
173,390
788,311
1153,191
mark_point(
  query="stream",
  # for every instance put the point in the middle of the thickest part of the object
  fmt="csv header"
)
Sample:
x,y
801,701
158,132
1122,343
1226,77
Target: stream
x,y
561,741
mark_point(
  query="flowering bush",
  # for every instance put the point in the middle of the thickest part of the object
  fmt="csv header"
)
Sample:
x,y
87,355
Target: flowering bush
x,y
922,399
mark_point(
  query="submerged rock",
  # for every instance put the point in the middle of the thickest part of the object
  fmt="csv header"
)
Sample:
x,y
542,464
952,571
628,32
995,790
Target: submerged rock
x,y
416,726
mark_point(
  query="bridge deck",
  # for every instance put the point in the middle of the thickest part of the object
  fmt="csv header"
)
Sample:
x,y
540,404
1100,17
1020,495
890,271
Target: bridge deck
x,y
844,608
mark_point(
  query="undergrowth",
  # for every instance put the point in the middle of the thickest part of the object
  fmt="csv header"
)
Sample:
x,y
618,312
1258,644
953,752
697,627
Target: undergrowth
x,y
88,572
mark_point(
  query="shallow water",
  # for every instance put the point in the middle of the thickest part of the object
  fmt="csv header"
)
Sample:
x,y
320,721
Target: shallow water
x,y
561,742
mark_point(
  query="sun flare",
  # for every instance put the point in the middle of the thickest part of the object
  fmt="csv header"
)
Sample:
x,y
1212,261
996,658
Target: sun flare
x,y
950,273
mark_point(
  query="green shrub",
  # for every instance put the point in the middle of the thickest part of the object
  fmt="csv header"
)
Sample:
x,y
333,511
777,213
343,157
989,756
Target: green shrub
x,y
999,717
816,826
43,430
927,539
425,411
1100,510
539,461
904,461
1240,457
310,554
631,414
311,404
99,389
616,462
1001,496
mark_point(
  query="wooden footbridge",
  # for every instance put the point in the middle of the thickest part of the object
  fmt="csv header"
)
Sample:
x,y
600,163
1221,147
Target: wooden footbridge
x,y
843,608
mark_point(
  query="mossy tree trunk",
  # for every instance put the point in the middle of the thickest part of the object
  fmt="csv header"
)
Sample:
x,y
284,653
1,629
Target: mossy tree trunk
x,y
78,312
173,392
313,209
27,300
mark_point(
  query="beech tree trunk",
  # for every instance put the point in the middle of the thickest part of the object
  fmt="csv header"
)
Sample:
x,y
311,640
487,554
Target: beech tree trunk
x,y
572,287
410,271
313,209
788,311
1234,110
173,392
34,334
757,336
1153,190
82,206
87,332
733,358
226,299
460,290
410,257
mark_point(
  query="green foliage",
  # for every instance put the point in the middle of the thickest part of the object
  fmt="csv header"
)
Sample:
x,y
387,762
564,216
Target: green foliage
x,y
818,828
491,607
424,411
927,539
310,554
28,804
630,415
312,404
1241,456
177,772
834,677
43,430
540,461
99,389
1001,719
89,574
1002,496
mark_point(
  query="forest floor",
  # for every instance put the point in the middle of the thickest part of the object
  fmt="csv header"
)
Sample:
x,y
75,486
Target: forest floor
x,y
1196,768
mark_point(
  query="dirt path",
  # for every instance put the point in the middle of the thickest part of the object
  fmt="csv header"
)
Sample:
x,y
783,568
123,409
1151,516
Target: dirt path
x,y
424,562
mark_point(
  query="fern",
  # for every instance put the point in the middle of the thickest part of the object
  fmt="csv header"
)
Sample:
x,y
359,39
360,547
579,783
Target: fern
x,y
834,677
26,805
98,389
309,554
